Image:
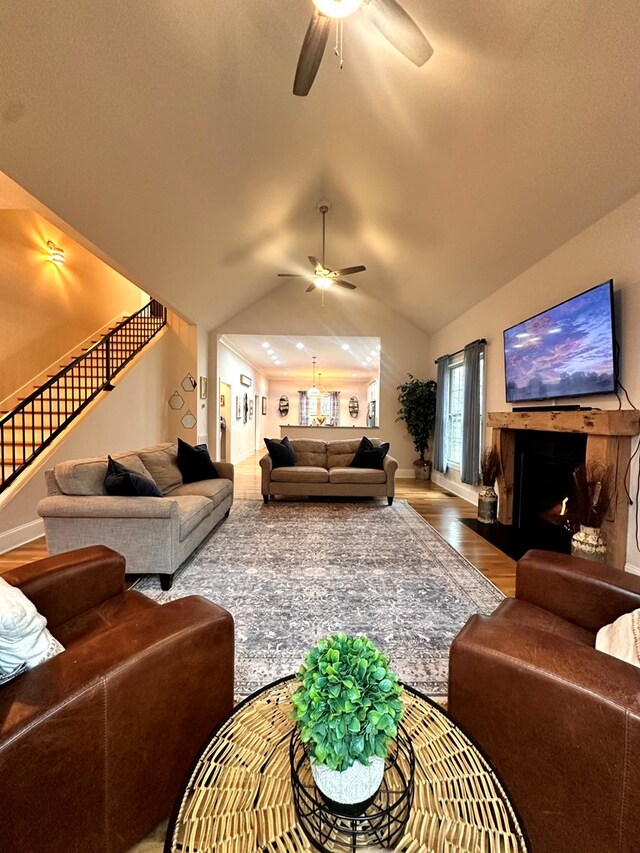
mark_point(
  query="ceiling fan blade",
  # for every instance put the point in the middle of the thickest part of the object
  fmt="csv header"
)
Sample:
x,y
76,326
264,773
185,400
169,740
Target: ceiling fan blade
x,y
315,263
399,28
291,275
342,283
349,270
313,46
310,288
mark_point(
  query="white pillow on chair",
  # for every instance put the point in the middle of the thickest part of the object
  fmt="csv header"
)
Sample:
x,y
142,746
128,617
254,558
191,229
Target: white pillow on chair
x,y
24,638
621,639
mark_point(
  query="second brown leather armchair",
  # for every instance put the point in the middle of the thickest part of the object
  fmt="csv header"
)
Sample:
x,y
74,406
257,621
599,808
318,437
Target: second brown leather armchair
x,y
559,720
95,743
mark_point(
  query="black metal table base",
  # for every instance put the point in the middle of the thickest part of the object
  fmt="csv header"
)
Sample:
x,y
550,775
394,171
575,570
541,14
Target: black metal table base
x,y
382,822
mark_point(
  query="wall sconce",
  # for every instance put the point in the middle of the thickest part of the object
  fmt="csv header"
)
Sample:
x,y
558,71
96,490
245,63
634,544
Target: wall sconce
x,y
56,254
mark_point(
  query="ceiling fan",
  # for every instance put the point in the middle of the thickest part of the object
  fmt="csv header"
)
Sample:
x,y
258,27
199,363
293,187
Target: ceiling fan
x,y
322,276
388,16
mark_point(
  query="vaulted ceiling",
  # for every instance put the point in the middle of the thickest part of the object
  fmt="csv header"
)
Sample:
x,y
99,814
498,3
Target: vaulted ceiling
x,y
165,131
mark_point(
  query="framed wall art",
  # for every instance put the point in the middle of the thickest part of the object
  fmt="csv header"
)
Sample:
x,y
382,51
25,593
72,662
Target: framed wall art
x,y
203,387
238,407
250,409
264,405
245,380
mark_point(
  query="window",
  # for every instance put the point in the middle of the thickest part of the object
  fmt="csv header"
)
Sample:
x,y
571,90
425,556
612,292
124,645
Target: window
x,y
456,403
456,411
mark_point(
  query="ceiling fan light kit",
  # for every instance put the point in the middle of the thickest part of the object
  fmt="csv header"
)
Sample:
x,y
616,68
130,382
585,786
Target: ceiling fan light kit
x,y
388,16
322,276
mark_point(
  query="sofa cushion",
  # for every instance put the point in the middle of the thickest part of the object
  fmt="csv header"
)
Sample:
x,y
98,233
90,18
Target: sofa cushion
x,y
122,482
192,509
281,452
370,455
310,452
528,615
195,463
356,475
86,476
340,453
215,490
162,462
300,474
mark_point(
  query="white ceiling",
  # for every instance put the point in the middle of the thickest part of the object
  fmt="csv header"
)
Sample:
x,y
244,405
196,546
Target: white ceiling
x,y
165,131
337,359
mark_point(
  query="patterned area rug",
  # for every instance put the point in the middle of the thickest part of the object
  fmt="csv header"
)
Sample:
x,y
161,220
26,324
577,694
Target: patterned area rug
x,y
292,572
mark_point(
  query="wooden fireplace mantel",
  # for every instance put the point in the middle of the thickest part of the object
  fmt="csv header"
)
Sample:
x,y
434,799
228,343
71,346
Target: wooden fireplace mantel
x,y
613,422
608,442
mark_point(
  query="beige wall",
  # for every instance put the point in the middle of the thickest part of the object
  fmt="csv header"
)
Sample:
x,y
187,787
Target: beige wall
x,y
183,343
290,387
608,249
291,311
46,310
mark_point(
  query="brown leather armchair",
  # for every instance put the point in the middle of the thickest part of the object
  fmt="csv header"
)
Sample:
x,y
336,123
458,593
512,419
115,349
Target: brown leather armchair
x,y
95,743
559,720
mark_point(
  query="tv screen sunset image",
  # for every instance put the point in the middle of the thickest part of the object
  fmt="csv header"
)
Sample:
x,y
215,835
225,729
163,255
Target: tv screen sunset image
x,y
564,352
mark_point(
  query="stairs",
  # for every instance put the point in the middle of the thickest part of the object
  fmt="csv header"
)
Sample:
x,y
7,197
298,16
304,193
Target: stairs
x,y
38,414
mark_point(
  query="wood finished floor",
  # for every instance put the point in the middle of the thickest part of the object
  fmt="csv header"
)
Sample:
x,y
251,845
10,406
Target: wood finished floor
x,y
440,508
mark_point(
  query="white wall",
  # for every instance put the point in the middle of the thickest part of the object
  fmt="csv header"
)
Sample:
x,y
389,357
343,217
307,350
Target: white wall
x,y
230,366
405,349
608,249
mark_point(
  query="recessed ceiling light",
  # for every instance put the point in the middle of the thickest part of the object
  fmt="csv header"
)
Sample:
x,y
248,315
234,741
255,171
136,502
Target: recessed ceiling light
x,y
265,345
378,347
345,347
270,351
274,357
374,354
364,363
299,346
277,361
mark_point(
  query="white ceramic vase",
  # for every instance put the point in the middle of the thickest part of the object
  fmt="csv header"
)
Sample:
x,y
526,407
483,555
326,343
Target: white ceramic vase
x,y
589,543
353,788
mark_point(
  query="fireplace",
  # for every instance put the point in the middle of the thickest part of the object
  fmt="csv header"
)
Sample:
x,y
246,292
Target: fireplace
x,y
546,468
544,463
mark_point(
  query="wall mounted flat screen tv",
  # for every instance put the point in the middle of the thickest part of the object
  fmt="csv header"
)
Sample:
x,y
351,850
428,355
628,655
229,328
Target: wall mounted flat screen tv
x,y
566,351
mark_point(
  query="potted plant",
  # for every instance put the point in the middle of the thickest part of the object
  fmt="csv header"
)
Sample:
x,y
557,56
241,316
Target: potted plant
x,y
591,498
347,708
487,499
417,399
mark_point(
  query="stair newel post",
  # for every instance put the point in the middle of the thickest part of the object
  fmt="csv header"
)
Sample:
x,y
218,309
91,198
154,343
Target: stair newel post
x,y
107,364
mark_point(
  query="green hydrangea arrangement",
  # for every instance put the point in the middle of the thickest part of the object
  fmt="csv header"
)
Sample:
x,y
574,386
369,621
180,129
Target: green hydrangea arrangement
x,y
347,706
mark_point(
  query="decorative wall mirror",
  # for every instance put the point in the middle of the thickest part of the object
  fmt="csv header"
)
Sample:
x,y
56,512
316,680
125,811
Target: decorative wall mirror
x,y
283,406
354,407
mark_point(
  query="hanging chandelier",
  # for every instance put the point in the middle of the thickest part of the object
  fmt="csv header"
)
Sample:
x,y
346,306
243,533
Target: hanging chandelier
x,y
314,391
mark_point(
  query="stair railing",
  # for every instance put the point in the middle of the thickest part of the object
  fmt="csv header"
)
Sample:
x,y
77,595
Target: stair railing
x,y
33,424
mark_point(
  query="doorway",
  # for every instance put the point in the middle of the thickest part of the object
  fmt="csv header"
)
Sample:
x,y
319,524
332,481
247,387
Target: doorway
x,y
225,422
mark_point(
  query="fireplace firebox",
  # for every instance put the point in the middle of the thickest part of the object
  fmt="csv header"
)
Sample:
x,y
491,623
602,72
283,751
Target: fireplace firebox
x,y
544,465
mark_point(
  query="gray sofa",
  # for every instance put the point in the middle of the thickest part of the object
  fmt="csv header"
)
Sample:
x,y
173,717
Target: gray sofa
x,y
322,468
155,535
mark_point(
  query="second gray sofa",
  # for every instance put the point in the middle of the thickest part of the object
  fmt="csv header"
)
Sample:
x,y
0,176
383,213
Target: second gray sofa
x,y
155,535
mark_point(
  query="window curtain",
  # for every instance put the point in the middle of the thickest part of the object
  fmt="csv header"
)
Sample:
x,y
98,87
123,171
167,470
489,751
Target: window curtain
x,y
334,408
470,466
442,414
303,413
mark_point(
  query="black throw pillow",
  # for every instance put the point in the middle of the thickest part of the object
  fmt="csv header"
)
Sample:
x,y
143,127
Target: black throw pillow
x,y
122,482
195,463
368,455
281,452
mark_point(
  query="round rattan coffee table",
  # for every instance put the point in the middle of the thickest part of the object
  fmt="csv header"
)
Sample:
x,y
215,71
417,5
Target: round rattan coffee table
x,y
239,796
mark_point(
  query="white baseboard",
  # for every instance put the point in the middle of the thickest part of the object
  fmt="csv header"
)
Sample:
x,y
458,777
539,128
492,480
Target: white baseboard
x,y
467,493
17,536
629,567
242,456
